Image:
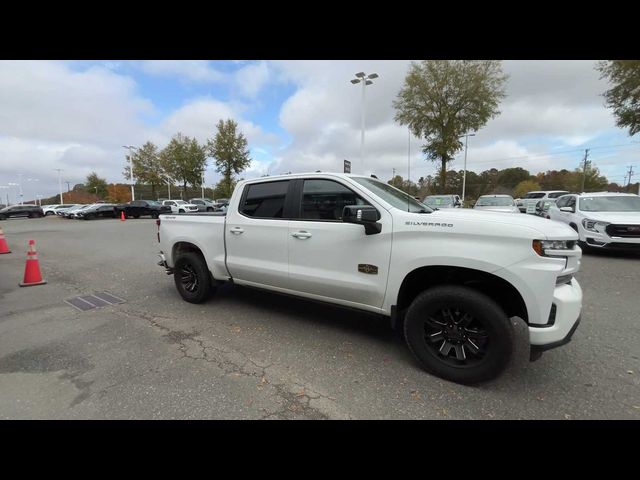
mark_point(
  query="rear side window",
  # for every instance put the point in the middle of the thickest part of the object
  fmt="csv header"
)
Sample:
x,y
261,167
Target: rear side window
x,y
325,200
264,200
557,194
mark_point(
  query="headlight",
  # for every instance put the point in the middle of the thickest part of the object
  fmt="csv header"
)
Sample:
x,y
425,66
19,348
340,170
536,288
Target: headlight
x,y
541,246
594,225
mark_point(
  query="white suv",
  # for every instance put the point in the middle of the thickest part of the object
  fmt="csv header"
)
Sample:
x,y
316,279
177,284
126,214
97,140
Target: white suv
x,y
180,206
527,204
602,219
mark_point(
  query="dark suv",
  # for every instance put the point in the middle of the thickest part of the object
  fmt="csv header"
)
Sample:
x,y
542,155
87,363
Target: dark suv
x,y
139,208
31,211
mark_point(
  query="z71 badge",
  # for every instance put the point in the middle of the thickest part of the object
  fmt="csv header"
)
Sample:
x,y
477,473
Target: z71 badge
x,y
366,268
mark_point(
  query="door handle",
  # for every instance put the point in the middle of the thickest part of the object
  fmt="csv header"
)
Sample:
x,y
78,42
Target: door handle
x,y
237,230
302,235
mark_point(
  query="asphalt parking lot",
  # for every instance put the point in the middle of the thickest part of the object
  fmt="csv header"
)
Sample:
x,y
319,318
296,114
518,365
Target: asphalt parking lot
x,y
248,354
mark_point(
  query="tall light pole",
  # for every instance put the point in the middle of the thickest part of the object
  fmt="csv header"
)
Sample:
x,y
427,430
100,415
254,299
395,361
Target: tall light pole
x,y
33,180
464,174
20,183
130,148
3,187
365,80
60,184
15,185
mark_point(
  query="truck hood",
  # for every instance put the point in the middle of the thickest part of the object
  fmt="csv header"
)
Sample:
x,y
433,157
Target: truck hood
x,y
614,217
538,227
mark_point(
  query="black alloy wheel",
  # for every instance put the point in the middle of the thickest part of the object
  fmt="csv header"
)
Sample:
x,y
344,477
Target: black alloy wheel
x,y
192,278
459,334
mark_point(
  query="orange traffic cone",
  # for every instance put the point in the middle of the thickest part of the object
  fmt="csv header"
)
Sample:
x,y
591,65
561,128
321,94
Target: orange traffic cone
x,y
122,217
32,274
4,248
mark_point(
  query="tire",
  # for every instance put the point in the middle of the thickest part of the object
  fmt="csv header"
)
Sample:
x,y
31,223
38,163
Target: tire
x,y
480,324
154,215
209,209
181,211
192,278
49,213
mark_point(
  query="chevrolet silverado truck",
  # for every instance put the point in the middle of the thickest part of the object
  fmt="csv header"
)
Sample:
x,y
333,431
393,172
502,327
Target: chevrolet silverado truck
x,y
450,279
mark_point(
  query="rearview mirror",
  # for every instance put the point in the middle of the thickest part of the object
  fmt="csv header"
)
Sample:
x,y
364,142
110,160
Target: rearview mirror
x,y
363,215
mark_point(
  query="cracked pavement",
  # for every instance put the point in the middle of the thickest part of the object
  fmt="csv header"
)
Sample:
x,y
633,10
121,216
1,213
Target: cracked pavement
x,y
248,354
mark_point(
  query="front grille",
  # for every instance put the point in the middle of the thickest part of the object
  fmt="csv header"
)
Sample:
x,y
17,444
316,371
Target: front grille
x,y
628,231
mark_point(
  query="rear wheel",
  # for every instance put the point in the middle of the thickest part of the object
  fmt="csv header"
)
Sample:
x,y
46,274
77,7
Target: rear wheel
x,y
192,278
181,211
459,334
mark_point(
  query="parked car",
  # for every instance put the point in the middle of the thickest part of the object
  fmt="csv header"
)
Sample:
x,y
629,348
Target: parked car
x,y
180,206
99,210
204,204
452,278
542,208
603,220
60,211
140,208
71,212
50,209
527,204
16,211
222,202
497,203
442,201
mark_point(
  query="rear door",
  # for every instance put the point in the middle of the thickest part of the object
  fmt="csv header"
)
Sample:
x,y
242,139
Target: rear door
x,y
256,235
333,259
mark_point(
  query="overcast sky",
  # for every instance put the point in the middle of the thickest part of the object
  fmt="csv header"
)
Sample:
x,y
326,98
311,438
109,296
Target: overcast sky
x,y
297,115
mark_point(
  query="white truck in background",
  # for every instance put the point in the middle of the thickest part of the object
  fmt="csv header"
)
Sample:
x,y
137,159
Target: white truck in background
x,y
450,278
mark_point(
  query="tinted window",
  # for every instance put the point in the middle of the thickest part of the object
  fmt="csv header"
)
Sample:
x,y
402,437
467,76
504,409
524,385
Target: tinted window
x,y
572,202
562,202
197,202
534,195
325,200
265,200
557,194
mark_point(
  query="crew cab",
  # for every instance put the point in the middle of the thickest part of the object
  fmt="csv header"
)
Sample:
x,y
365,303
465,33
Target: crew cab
x,y
603,220
451,279
180,206
139,208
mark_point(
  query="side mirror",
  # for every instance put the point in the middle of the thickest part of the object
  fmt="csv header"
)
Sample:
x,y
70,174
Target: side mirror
x,y
567,209
363,215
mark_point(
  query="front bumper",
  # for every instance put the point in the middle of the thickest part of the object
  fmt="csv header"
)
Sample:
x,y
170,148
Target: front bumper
x,y
567,300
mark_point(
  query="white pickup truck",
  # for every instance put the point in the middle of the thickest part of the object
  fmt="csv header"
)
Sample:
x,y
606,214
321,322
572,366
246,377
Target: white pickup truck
x,y
451,278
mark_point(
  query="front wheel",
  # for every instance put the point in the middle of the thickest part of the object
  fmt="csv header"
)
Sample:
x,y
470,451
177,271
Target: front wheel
x,y
459,334
181,211
154,215
192,278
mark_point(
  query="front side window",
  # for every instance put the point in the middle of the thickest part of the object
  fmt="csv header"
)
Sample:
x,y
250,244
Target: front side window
x,y
264,200
562,202
325,200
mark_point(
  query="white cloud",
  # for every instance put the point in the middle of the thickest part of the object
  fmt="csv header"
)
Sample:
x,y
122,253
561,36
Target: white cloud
x,y
251,78
192,70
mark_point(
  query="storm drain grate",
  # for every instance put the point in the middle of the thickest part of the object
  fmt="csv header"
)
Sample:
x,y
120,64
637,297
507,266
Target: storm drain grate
x,y
88,302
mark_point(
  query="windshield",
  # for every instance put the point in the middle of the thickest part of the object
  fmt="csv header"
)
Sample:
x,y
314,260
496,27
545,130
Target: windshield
x,y
392,195
534,195
494,202
438,201
610,204
153,203
557,194
180,202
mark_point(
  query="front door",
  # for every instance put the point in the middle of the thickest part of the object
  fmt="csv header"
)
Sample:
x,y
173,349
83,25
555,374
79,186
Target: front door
x,y
333,259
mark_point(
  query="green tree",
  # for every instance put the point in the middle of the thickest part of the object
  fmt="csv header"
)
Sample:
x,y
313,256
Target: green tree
x,y
441,100
624,95
147,167
525,187
406,186
229,148
510,177
96,185
593,181
184,160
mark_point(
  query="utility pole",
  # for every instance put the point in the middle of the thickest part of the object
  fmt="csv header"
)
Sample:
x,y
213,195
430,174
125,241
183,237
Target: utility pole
x,y
629,174
393,174
59,184
365,79
584,168
68,186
